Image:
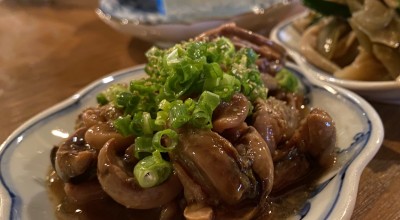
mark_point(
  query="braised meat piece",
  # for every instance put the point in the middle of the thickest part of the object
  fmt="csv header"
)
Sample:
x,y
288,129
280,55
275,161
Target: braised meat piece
x,y
271,55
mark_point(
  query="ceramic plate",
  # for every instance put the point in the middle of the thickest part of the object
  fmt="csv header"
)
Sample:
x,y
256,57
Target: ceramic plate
x,y
24,156
288,37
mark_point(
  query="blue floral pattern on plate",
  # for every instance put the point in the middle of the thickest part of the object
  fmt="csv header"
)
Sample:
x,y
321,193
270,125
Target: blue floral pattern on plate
x,y
24,156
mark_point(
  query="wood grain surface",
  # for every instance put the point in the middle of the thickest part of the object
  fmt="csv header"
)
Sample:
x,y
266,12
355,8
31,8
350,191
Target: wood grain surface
x,y
50,51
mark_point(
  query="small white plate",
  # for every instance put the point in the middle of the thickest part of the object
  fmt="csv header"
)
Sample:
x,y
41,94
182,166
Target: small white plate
x,y
25,160
288,37
166,31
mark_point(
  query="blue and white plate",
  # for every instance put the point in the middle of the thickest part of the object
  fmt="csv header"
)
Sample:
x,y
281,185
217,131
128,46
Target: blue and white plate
x,y
380,91
25,161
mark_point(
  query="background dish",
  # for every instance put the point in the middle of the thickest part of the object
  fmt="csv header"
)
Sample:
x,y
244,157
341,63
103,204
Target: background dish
x,y
165,31
24,156
288,37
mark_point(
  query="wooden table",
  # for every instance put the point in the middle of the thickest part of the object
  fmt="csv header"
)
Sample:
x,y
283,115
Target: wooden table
x,y
49,52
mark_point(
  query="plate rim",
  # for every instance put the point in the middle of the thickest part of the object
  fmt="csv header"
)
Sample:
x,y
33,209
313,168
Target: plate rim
x,y
356,166
6,196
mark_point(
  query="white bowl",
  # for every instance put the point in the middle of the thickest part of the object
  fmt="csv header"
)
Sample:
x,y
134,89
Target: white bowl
x,y
164,31
289,38
25,160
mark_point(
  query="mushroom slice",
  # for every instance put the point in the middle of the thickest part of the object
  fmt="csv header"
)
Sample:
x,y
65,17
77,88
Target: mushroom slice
x,y
275,121
252,146
85,192
231,114
120,184
74,160
213,163
94,115
290,169
97,135
312,143
317,136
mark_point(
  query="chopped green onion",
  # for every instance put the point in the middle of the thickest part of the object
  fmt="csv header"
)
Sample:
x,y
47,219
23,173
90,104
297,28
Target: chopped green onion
x,y
127,101
152,170
246,71
172,57
202,114
123,125
185,84
139,124
220,51
209,99
147,121
143,146
113,91
178,114
101,99
143,86
287,80
167,137
190,104
161,119
164,105
227,87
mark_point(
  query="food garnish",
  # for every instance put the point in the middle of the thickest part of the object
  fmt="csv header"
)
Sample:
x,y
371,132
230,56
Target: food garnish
x,y
218,124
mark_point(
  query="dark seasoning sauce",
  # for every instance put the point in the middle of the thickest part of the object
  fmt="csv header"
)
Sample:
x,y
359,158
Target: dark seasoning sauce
x,y
278,207
105,208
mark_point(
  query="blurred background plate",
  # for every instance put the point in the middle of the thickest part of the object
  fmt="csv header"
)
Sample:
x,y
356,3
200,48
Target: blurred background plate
x,y
167,30
381,91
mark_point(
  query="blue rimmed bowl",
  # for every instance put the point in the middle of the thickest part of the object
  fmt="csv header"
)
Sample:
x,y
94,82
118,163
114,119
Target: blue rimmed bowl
x,y
24,156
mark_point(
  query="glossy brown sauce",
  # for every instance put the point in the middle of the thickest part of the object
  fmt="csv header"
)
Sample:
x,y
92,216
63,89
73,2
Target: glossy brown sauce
x,y
277,207
105,208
